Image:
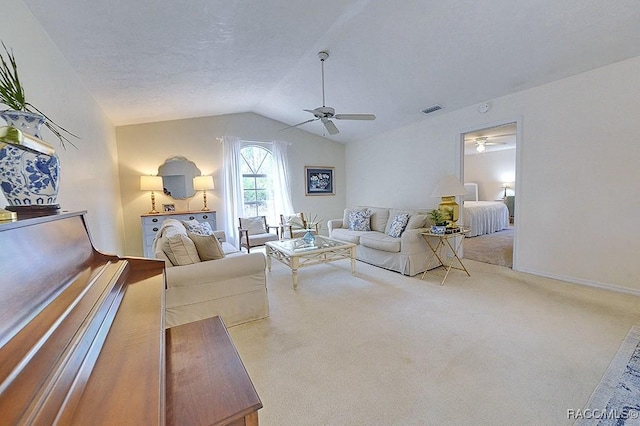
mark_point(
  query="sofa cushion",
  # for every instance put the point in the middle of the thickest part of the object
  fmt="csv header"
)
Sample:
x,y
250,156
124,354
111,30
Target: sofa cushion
x,y
398,224
380,241
172,227
229,250
360,220
346,235
347,212
199,228
379,218
394,212
208,246
417,221
180,250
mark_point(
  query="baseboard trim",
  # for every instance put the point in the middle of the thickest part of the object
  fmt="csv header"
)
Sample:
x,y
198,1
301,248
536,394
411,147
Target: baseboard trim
x,y
587,283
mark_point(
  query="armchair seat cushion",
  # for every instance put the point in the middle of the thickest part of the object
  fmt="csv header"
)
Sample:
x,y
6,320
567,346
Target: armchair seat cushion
x,y
260,239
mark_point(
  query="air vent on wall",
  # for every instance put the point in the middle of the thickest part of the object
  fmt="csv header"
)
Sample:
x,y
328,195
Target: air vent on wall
x,y
432,108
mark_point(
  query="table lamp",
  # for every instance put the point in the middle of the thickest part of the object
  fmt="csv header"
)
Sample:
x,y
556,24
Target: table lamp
x,y
505,186
151,183
447,189
203,183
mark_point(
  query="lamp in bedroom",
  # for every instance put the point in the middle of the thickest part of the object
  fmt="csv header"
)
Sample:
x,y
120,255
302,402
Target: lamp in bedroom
x,y
447,189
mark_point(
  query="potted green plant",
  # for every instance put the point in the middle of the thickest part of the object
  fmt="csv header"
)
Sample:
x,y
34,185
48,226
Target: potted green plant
x,y
28,178
438,221
12,94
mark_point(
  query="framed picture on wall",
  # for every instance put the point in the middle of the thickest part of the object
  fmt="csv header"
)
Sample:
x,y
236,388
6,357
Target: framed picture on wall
x,y
169,207
319,180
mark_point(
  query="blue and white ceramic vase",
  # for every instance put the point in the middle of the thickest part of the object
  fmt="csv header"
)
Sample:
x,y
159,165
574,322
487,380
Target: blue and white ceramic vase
x,y
27,178
308,237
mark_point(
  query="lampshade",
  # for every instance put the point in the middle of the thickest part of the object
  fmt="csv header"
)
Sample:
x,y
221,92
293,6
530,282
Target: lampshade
x,y
202,183
448,186
151,183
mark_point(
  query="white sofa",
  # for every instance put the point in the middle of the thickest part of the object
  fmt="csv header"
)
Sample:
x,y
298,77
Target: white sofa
x,y
233,287
407,254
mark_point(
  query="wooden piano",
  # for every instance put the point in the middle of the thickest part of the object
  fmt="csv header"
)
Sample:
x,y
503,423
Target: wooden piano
x,y
82,339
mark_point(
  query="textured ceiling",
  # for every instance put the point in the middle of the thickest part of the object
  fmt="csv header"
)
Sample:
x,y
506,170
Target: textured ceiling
x,y
149,60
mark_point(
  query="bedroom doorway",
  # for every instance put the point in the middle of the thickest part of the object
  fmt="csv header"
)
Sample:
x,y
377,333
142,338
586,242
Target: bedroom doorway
x,y
489,158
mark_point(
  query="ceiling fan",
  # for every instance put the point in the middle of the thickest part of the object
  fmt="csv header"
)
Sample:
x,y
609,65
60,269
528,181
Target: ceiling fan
x,y
326,113
483,142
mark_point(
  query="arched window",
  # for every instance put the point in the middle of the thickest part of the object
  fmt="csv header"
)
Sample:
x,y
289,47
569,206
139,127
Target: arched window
x,y
256,182
256,166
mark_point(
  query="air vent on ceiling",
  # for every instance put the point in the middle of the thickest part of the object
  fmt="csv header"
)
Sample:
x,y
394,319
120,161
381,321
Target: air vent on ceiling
x,y
432,108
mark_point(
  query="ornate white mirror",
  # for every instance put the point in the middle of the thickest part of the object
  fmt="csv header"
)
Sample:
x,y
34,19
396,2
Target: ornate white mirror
x,y
177,177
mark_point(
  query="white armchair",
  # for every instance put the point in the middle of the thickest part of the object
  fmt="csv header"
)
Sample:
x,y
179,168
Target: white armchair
x,y
254,231
233,287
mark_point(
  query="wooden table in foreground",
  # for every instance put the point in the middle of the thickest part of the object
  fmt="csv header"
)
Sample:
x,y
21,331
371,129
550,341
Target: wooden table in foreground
x,y
297,253
445,239
207,382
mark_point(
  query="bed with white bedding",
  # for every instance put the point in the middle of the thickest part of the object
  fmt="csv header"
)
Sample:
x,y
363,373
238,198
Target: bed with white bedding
x,y
483,217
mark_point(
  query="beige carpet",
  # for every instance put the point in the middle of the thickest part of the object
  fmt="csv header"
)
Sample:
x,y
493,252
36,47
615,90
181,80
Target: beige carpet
x,y
499,348
495,248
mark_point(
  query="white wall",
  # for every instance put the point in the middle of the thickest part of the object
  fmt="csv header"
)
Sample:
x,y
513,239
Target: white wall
x,y
490,170
578,185
144,147
89,179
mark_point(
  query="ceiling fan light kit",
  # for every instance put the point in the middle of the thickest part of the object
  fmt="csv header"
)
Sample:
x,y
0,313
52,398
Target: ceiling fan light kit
x,y
326,113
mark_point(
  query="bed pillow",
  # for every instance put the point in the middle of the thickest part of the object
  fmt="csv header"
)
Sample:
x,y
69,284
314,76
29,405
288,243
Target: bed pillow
x,y
199,228
180,250
398,224
359,220
208,246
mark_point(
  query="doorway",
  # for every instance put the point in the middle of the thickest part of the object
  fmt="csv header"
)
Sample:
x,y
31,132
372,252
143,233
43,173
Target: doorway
x,y
489,160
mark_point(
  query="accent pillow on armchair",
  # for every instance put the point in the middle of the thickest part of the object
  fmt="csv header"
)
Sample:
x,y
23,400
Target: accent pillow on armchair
x,y
255,225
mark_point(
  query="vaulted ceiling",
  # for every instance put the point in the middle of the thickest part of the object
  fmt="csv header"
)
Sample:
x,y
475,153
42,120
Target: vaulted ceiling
x,y
150,60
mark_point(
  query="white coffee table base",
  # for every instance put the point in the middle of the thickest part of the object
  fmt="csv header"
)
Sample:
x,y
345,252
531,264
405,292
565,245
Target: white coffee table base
x,y
299,259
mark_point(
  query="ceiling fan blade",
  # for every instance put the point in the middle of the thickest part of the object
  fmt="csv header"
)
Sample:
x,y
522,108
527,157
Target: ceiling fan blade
x,y
331,128
354,117
300,124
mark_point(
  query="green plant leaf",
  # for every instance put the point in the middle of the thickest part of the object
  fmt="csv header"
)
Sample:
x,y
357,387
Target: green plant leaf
x,y
12,94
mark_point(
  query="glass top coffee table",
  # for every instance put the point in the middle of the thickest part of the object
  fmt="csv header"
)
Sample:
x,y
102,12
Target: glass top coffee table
x,y
297,253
